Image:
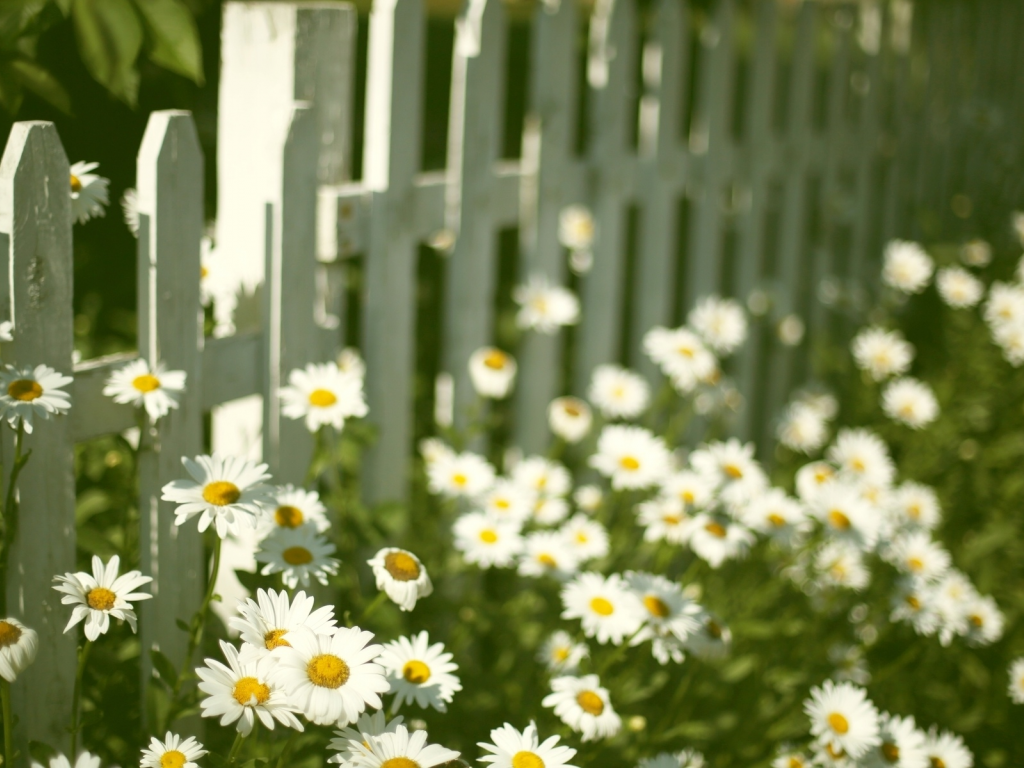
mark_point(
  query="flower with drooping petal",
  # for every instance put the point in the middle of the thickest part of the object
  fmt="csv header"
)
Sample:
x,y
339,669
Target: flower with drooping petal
x,y
100,595
569,418
367,725
492,372
401,575
267,622
298,554
89,194
419,672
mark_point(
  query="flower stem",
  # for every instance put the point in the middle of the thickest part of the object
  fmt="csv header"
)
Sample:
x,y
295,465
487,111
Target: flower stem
x,y
239,738
373,606
76,699
5,702
284,750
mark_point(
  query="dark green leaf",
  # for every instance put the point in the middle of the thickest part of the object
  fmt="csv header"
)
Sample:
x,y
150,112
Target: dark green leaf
x,y
110,37
164,667
175,39
41,752
181,625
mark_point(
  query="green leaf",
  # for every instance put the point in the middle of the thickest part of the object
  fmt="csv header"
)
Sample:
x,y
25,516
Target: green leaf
x,y
164,667
10,88
182,625
174,37
109,37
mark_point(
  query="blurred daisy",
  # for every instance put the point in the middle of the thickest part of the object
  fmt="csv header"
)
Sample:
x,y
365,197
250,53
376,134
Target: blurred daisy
x,y
27,392
790,759
902,745
542,476
911,402
267,622
85,760
606,607
548,553
18,647
959,288
89,194
322,393
292,508
401,575
368,724
882,353
802,428
685,759
716,539
486,542
863,456
584,706
631,456
241,691
433,450
726,462
224,490
947,750
913,602
720,322
1016,686
460,475
681,356
561,653
976,253
906,266
511,748
172,752
712,641
916,506
419,672
130,209
775,514
331,679
400,750
157,390
508,500
492,372
845,515
692,489
1005,305
842,719
588,498
841,564
669,617
545,307
664,520
576,228
587,538
297,554
917,555
569,418
984,621
618,393
100,595
812,478
1010,339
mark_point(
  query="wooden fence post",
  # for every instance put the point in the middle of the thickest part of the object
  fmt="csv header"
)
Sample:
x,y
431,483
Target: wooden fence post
x,y
35,216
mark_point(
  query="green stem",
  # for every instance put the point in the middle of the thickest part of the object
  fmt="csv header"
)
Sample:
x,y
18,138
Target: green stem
x,y
617,653
373,606
5,702
239,738
284,750
76,700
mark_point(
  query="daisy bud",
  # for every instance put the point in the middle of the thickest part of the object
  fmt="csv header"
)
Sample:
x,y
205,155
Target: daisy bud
x,y
492,372
569,418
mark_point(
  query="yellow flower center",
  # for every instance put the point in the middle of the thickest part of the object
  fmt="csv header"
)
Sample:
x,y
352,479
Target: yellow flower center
x,y
561,654
629,463
572,409
834,753
976,620
502,503
733,471
488,536
715,529
656,606
581,537
688,497
526,760
590,703
9,634
220,493
460,479
796,762
327,671
776,520
838,520
147,382
545,559
288,516
275,639
248,688
322,398
915,564
672,519
912,601
838,723
297,556
821,475
203,272
496,360
937,762
399,762
76,183
890,752
601,606
101,599
416,672
714,629
858,465
914,511
686,351
401,566
172,759
25,390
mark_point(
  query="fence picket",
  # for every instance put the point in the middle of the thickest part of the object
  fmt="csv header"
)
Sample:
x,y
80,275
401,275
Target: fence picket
x,y
35,215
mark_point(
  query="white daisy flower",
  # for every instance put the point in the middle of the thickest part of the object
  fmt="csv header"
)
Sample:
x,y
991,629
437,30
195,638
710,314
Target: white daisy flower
x,y
914,602
460,475
712,641
664,519
486,542
959,288
685,759
550,510
902,745
331,678
1010,339
984,621
419,673
906,266
297,554
845,515
720,322
617,392
841,564
401,575
775,514
100,595
157,390
910,402
433,450
293,507
509,500
266,622
27,392
400,749
18,647
917,555
812,478
691,489
954,596
790,759
89,194
716,539
606,607
863,456
492,372
584,706
576,228
569,418
1016,685
882,353
322,393
1005,305
843,719
85,760
130,209
545,307
548,553
172,752
681,356
803,428
511,748
224,490
241,691
542,476
588,498
561,653
587,538
947,750
976,253
915,506
669,616
631,456
727,462
368,724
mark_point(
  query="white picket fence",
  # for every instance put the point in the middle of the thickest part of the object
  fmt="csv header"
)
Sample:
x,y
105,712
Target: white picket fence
x,y
289,216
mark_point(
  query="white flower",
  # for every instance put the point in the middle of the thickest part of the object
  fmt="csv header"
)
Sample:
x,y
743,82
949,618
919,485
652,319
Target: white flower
x,y
560,653
682,356
242,691
460,474
976,253
88,192
685,759
548,553
606,607
947,750
728,462
172,751
1016,685
6,331
487,542
226,491
914,602
419,672
587,538
27,392
545,307
542,476
959,288
297,554
882,353
588,498
293,507
720,322
906,266
911,402
664,519
631,456
85,760
18,646
669,617
917,555
157,390
716,539
584,706
508,500
617,392
712,641
811,478
775,514
402,576
433,450
916,506
322,393
791,759
841,564
803,428
845,515
492,372
984,621
130,209
692,489
100,595
576,228
367,725
791,330
400,750
268,621
902,745
1005,305
512,749
331,678
569,418
861,455
1010,338
843,719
